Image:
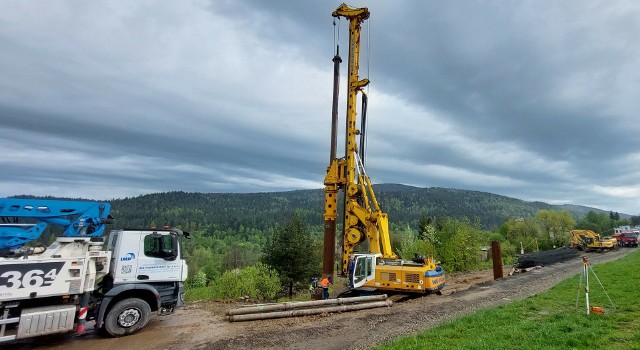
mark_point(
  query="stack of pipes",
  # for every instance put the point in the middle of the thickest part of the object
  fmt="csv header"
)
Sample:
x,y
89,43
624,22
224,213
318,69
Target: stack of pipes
x,y
306,308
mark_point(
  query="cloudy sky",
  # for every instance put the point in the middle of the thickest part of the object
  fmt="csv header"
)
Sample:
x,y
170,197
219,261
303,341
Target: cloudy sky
x,y
536,100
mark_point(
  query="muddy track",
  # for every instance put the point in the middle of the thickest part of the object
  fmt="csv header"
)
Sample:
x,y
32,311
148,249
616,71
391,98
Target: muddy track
x,y
202,325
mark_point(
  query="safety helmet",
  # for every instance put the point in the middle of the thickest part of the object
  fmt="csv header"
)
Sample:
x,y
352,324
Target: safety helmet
x,y
328,276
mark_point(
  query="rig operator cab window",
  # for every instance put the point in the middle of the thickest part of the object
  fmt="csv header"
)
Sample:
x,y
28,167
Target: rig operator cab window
x,y
363,270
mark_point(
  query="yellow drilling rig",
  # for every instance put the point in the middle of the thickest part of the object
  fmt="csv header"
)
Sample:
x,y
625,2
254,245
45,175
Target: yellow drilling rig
x,y
379,269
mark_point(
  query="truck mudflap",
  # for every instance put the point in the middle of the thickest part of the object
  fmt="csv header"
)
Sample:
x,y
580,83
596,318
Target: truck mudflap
x,y
168,307
181,292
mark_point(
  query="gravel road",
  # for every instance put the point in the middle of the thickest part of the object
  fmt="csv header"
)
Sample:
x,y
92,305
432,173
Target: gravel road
x,y
202,325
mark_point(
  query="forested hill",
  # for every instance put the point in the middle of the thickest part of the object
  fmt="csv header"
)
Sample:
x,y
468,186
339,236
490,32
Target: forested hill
x,y
404,204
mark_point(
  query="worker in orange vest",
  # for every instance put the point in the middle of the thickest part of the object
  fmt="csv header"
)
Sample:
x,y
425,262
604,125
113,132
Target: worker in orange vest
x,y
325,283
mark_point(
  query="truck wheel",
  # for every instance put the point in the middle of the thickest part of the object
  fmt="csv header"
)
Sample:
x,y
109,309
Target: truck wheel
x,y
127,317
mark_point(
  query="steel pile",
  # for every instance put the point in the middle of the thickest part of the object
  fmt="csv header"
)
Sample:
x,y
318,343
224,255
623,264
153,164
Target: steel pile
x,y
306,308
546,257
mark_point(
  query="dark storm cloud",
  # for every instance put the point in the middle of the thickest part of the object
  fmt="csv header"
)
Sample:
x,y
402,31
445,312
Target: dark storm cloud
x,y
534,100
107,141
500,70
545,78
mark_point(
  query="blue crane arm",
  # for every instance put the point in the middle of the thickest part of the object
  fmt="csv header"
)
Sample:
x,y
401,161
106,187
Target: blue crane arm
x,y
78,218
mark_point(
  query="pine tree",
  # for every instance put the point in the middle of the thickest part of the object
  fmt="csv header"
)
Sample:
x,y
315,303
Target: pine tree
x,y
291,252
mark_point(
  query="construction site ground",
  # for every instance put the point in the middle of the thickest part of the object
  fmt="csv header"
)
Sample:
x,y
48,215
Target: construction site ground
x,y
202,325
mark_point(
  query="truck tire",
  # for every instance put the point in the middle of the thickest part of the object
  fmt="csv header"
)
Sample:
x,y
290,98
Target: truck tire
x,y
127,317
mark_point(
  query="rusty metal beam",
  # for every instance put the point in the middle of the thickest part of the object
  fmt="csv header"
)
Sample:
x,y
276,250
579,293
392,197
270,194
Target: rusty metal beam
x,y
496,254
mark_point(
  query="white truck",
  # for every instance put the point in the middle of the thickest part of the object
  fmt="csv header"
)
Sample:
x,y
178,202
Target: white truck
x,y
76,279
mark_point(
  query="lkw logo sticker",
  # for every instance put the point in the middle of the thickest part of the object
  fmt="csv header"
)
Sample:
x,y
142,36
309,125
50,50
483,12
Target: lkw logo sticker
x,y
128,257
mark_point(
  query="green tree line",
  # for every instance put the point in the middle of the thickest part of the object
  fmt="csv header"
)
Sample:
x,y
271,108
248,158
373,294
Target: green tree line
x,y
263,245
262,211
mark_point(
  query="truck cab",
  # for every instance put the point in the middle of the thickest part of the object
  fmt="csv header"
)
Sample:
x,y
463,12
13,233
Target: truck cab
x,y
146,264
147,255
628,239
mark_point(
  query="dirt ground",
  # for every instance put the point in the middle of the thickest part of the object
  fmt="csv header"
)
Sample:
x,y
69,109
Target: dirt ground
x,y
203,326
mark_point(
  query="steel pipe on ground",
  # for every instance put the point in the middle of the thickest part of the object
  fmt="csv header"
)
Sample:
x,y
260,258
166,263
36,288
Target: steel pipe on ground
x,y
303,304
307,312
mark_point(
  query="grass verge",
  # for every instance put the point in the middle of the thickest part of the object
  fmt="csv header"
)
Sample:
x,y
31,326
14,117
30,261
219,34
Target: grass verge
x,y
550,320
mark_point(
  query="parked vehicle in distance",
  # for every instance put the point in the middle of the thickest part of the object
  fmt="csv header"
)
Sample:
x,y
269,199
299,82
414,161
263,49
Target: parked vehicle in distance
x,y
628,240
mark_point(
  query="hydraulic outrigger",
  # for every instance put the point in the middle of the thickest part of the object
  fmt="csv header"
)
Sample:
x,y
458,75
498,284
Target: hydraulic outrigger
x,y
380,268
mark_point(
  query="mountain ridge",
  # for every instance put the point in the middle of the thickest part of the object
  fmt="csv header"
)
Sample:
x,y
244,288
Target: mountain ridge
x,y
404,204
